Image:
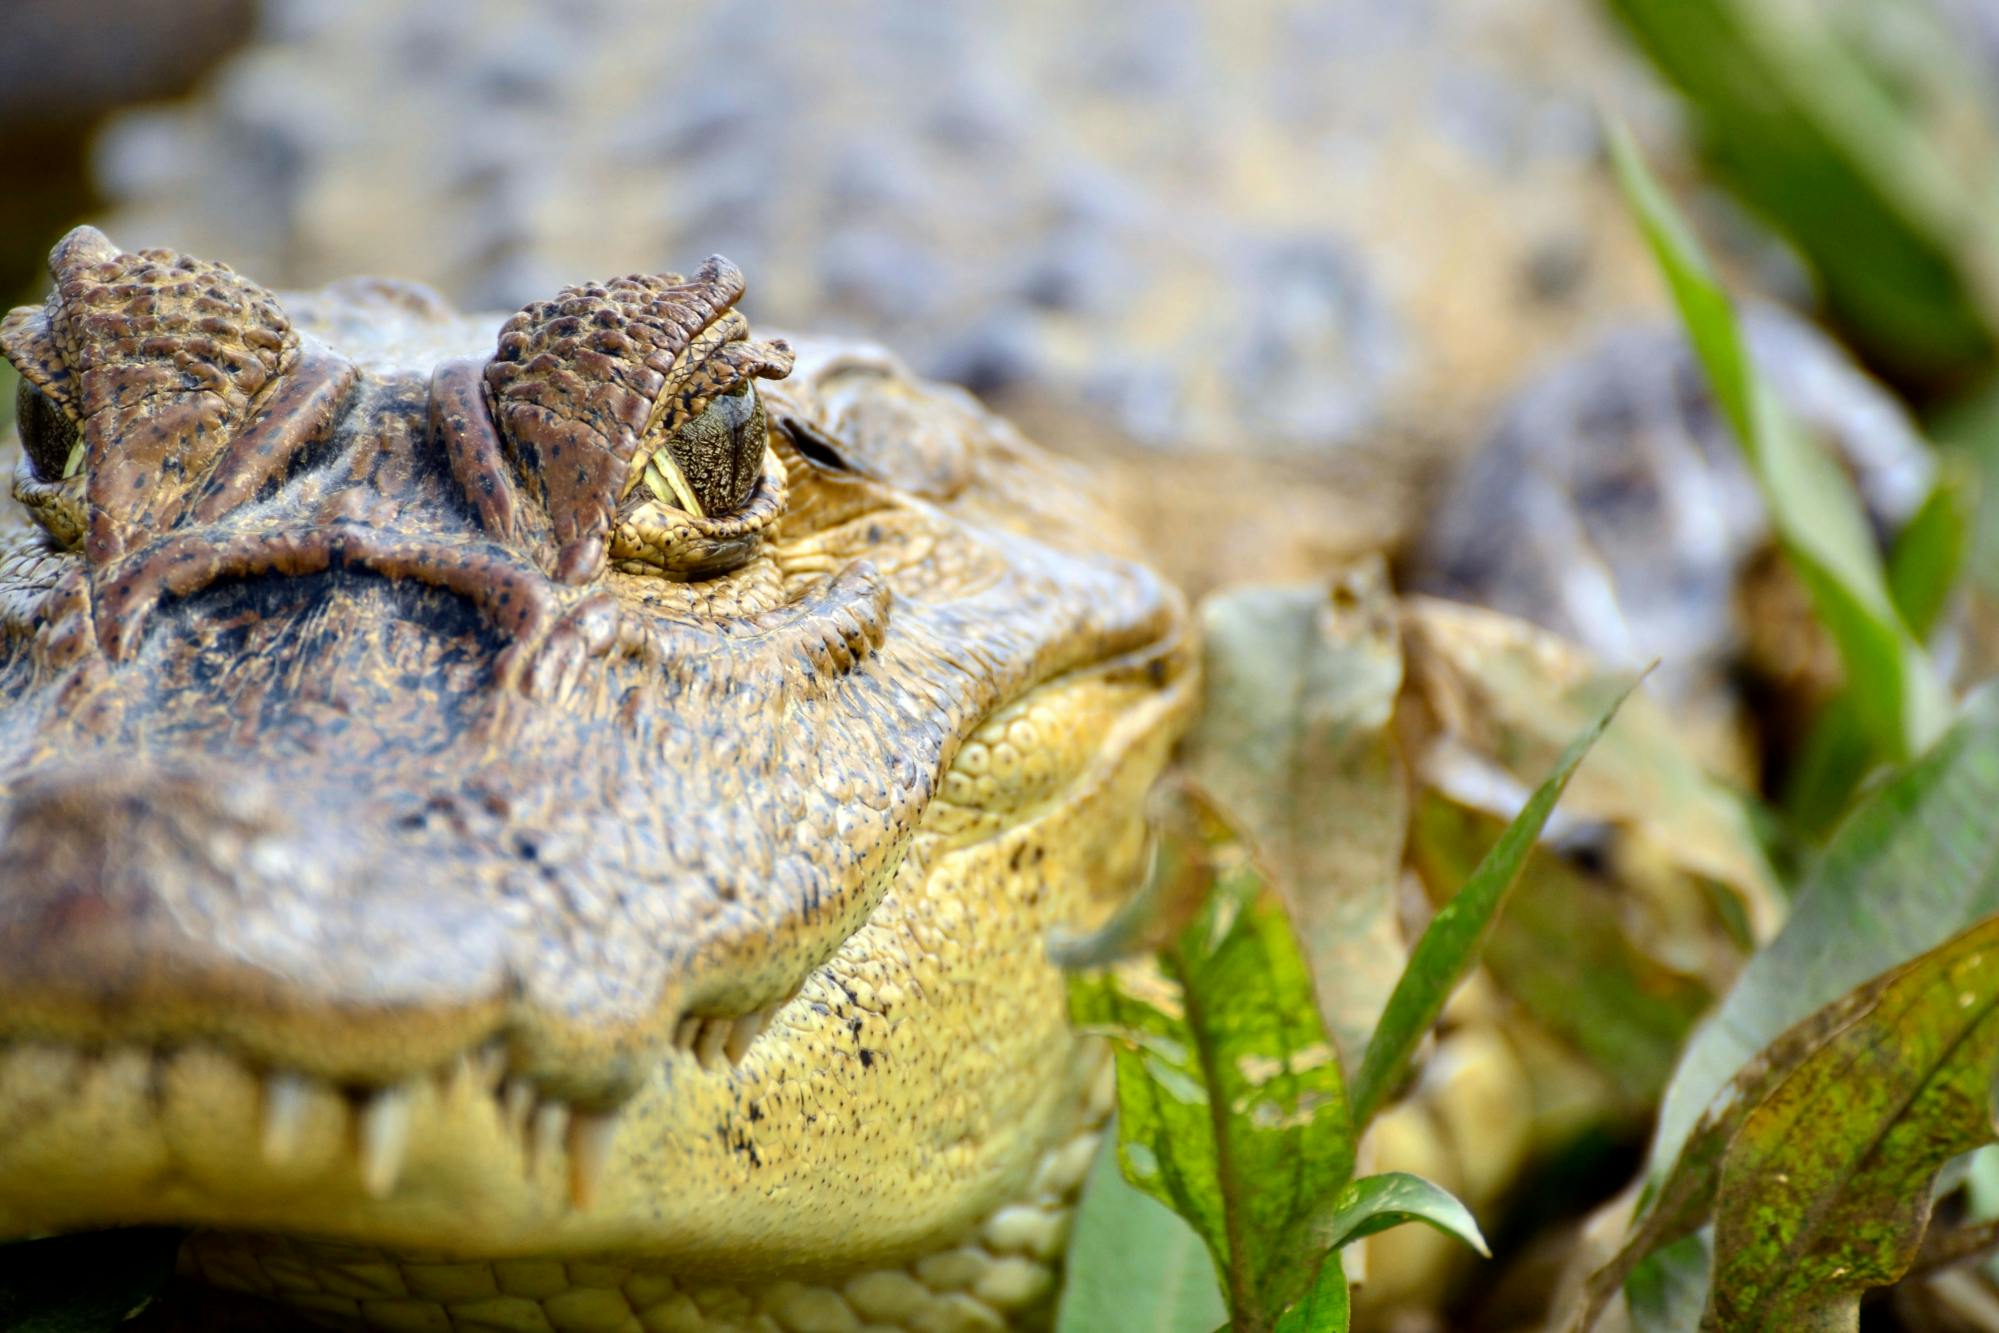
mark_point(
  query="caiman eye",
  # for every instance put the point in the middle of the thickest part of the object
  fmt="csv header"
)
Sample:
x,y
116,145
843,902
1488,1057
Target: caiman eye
x,y
710,465
51,440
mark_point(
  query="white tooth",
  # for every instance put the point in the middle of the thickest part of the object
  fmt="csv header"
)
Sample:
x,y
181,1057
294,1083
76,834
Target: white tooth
x,y
490,1064
385,1138
714,1034
684,1035
590,1137
551,1126
516,1103
285,1100
744,1031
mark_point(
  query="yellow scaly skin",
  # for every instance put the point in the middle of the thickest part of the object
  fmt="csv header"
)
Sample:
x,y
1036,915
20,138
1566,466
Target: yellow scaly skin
x,y
476,891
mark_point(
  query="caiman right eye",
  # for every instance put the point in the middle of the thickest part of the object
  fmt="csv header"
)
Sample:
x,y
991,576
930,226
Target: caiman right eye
x,y
53,442
710,465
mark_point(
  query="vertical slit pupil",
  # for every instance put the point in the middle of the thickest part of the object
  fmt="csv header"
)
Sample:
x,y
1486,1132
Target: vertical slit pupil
x,y
721,451
47,435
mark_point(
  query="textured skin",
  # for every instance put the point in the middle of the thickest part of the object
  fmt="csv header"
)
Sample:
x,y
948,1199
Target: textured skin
x,y
383,861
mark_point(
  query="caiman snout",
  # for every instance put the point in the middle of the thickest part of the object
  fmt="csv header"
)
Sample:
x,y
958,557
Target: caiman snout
x,y
161,905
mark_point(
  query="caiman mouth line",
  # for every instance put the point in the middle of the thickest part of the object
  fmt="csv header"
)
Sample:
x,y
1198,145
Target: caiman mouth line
x,y
299,1112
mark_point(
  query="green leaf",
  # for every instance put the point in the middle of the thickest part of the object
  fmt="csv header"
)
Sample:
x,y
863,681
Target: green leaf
x,y
1327,1307
1835,756
1933,549
1933,546
1817,516
1564,952
1667,1292
1231,1107
1697,293
1684,1195
1293,749
85,1283
1826,1188
1968,429
1134,1264
1860,132
1376,1203
1916,862
1450,944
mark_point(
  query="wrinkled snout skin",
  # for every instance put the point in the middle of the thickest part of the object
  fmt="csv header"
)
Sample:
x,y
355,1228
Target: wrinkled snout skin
x,y
390,854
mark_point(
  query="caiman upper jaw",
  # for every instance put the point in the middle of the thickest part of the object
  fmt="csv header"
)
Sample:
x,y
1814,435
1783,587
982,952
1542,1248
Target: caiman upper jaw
x,y
164,903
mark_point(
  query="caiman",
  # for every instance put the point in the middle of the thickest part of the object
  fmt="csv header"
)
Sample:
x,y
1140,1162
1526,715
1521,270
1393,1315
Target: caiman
x,y
552,824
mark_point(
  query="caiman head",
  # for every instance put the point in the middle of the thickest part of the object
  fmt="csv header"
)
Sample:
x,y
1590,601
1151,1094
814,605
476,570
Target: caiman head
x,y
556,790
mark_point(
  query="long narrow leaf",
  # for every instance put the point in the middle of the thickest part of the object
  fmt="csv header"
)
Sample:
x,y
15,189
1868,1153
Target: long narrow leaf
x,y
1934,546
1805,113
1817,515
1451,943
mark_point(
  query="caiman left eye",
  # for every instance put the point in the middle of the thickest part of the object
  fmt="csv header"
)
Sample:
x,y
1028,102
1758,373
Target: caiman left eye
x,y
710,465
50,439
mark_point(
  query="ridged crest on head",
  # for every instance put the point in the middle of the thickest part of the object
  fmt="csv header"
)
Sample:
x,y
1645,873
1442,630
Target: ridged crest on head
x,y
580,381
159,357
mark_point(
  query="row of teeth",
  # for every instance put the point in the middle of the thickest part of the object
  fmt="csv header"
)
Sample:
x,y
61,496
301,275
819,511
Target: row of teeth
x,y
383,1116
542,1125
713,1040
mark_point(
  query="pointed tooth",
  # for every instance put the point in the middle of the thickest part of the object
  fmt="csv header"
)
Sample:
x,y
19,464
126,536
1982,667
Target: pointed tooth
x,y
489,1063
516,1103
689,1030
590,1136
742,1032
708,1048
385,1138
286,1097
551,1126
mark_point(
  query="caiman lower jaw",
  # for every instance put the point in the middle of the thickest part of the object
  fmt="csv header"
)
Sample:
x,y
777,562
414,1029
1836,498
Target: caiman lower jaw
x,y
467,1156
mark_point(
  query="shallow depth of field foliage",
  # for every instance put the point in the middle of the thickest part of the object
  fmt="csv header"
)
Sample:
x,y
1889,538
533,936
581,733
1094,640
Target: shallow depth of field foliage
x,y
1822,1128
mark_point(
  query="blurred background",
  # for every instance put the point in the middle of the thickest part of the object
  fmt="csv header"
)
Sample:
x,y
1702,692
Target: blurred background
x,y
1300,281
1329,237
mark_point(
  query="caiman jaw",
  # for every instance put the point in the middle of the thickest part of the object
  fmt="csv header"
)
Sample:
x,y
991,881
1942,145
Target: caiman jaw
x,y
467,1157
413,835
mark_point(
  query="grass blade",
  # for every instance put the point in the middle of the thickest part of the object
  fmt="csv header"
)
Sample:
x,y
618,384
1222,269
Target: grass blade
x,y
1451,943
1817,516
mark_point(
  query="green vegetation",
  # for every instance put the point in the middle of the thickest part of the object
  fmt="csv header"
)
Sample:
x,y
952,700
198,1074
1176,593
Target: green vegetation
x,y
1233,1106
1812,1139
1855,128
